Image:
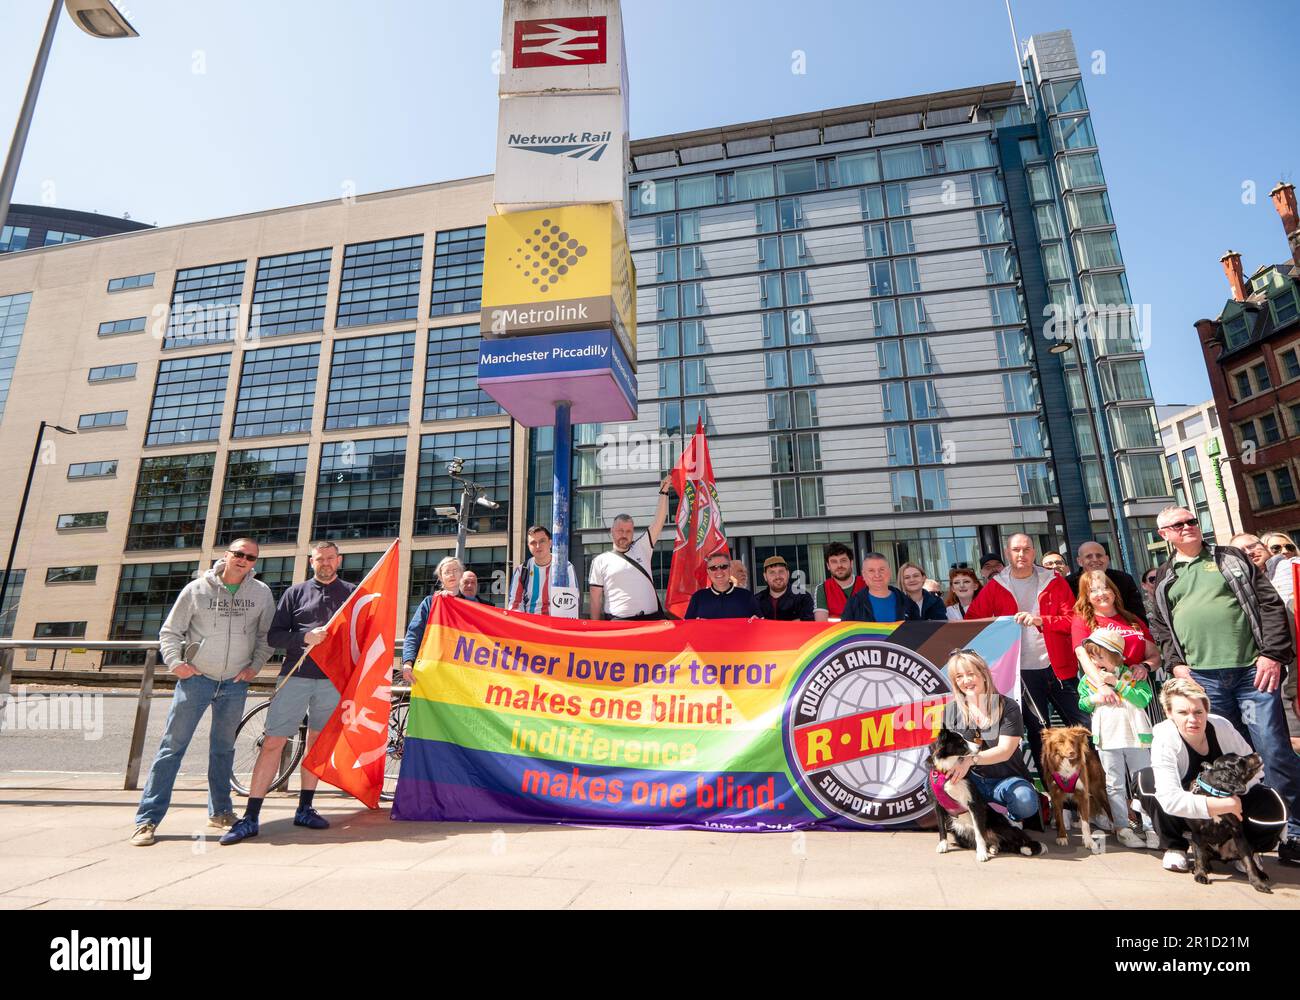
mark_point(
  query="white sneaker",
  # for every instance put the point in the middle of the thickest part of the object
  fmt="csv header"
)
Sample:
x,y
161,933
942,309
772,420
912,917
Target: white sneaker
x,y
144,836
1152,839
1130,839
1175,861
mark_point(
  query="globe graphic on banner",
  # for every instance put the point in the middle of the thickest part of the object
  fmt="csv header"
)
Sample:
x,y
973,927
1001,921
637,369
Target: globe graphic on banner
x,y
858,728
884,776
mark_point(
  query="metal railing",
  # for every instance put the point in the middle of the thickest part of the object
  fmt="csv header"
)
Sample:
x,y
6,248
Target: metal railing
x,y
143,703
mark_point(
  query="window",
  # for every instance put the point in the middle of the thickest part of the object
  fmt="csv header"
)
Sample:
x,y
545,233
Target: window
x,y
93,470
1260,372
902,492
920,361
131,281
665,230
71,574
262,495
902,237
1080,170
1268,424
893,404
289,293
279,573
171,502
145,594
1263,491
993,226
889,361
1036,486
1284,307
754,182
693,192
902,161
1143,476
898,199
359,489
370,381
670,378
276,390
812,497
1097,250
785,501
13,319
457,271
1019,391
929,445
1285,486
907,275
934,489
695,378
1124,381
54,237
769,253
1290,362
381,281
693,298
205,305
1065,95
880,280
968,154
898,446
778,412
1243,385
884,319
776,371
858,168
1134,427
796,177
1073,133
1045,219
1040,185
872,203
488,563
1105,291
670,419
808,448
14,238
781,452
999,266
451,375
1089,209
487,462
1026,437
925,401
187,400
60,630
1013,348
985,189
790,213
805,407
669,338
688,227
1005,306
653,196
914,316
87,519
110,373
666,302
98,421
118,326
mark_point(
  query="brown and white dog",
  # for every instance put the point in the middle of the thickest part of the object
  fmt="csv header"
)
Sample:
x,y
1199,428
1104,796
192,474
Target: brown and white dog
x,y
1072,773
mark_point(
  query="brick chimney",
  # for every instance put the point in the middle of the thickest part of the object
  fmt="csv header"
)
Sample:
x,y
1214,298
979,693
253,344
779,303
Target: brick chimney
x,y
1284,201
1231,262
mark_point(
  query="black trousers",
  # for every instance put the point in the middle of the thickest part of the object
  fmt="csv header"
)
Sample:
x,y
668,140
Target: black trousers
x,y
1262,813
644,616
1044,688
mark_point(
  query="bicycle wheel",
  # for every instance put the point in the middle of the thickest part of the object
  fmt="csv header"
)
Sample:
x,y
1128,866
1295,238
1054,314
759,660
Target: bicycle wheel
x,y
396,740
249,738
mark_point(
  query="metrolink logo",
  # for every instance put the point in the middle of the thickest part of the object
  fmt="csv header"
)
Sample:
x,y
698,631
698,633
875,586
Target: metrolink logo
x,y
573,145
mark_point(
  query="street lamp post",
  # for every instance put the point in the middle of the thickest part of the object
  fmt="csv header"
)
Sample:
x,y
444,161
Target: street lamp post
x,y
22,507
1062,347
471,495
97,18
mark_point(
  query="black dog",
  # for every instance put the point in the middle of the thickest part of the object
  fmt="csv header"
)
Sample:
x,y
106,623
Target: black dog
x,y
964,818
1223,837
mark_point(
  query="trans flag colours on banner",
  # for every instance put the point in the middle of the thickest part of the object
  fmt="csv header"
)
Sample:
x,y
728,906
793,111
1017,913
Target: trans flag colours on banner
x,y
731,725
700,532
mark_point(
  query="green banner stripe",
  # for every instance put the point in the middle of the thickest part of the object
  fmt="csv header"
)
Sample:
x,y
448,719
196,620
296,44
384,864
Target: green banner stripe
x,y
491,730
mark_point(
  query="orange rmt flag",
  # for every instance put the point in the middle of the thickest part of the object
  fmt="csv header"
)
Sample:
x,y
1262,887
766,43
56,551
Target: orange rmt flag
x,y
700,531
357,655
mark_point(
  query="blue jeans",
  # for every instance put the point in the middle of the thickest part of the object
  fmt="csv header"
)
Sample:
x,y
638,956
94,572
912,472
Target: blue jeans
x,y
1261,718
191,699
1016,795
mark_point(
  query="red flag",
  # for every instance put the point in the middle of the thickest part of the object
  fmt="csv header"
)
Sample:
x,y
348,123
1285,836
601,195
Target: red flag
x,y
357,655
700,531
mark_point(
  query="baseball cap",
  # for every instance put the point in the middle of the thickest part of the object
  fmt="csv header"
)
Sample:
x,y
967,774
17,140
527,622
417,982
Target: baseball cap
x,y
1107,638
989,557
774,561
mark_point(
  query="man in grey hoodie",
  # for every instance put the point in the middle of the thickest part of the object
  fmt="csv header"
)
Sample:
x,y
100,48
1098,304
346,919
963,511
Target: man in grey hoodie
x,y
214,640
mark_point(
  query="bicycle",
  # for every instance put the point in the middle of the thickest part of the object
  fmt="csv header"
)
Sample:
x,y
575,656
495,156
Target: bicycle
x,y
251,734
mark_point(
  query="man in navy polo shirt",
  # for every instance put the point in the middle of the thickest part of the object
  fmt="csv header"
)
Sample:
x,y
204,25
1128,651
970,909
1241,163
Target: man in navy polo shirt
x,y
298,625
721,598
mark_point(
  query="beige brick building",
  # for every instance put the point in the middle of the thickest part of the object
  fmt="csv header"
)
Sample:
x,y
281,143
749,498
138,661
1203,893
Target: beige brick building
x,y
376,284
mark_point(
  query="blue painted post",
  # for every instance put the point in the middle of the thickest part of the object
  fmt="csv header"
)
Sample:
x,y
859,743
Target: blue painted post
x,y
563,476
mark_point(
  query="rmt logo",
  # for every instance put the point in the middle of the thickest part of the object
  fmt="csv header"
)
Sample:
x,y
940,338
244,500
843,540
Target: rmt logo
x,y
75,953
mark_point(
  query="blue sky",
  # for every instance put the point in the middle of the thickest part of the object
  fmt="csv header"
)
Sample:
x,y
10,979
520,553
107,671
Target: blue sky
x,y
235,106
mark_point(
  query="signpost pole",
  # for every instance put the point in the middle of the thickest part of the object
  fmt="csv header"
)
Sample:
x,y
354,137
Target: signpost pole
x,y
563,476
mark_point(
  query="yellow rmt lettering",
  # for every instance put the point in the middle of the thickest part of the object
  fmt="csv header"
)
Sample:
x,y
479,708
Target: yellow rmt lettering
x,y
878,731
819,747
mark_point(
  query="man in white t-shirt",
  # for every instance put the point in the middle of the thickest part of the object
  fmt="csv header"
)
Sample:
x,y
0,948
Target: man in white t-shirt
x,y
622,587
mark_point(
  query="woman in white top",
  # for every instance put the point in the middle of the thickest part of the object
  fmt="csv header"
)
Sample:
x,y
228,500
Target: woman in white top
x,y
963,585
1187,738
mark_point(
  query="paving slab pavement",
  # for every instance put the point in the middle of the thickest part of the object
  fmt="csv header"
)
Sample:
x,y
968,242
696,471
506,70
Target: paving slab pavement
x,y
64,845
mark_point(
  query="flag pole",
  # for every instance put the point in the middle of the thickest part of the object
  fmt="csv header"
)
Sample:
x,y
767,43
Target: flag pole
x,y
561,481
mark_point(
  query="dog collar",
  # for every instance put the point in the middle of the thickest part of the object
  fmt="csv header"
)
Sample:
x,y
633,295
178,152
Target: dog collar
x,y
1064,786
1209,789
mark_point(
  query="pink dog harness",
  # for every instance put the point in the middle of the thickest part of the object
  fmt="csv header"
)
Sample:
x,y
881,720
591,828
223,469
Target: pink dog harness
x,y
1067,788
946,802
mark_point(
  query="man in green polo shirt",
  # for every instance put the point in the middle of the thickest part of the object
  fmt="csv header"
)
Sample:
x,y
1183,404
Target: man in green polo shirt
x,y
1218,621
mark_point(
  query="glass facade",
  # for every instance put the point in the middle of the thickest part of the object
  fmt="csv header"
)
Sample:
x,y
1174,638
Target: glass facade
x,y
370,381
171,502
277,386
381,281
262,496
13,318
9,610
289,293
486,562
451,375
457,271
487,462
188,399
145,594
205,305
359,490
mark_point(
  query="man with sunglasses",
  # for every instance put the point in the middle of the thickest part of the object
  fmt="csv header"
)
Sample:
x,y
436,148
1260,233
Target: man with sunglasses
x,y
1148,590
1256,551
721,598
1219,621
214,641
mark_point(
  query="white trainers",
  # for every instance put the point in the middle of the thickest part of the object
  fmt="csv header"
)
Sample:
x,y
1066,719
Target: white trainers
x,y
1175,861
1152,839
1130,839
143,836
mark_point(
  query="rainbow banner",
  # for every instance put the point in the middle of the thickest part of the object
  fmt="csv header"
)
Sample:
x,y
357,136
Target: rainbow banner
x,y
708,725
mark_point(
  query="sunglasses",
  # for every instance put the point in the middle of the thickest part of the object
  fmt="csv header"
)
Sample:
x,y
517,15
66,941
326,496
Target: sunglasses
x,y
239,554
1279,548
1149,579
1179,525
718,568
